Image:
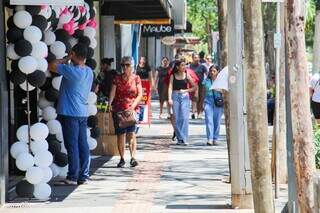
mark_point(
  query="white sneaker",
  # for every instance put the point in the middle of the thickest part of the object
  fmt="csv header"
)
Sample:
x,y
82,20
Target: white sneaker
x,y
210,143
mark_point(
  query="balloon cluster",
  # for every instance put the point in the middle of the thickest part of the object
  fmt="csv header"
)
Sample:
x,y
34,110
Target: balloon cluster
x,y
38,35
93,131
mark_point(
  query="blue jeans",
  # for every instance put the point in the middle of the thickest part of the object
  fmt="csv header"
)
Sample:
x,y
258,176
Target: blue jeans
x,y
75,138
181,111
212,118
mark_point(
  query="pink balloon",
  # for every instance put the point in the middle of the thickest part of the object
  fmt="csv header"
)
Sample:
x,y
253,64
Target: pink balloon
x,y
44,7
82,9
82,26
92,23
67,27
71,32
65,11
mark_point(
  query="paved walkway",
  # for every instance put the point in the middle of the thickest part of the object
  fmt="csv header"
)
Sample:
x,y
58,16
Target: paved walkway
x,y
169,179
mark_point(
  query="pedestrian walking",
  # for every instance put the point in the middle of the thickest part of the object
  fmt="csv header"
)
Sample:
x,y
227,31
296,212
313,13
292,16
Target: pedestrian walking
x,y
105,77
197,99
162,87
213,111
178,94
144,71
125,95
72,108
314,87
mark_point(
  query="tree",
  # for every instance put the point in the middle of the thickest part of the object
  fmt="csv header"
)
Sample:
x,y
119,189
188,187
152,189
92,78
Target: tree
x,y
257,107
303,153
202,14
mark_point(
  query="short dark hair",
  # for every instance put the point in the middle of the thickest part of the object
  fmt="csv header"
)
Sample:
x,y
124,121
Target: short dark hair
x,y
201,54
80,50
107,61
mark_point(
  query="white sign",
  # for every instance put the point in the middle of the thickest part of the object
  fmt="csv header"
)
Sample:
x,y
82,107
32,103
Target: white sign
x,y
168,40
221,82
277,40
48,2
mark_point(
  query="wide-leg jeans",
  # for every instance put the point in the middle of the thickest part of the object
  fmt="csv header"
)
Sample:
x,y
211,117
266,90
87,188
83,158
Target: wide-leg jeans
x,y
181,111
213,116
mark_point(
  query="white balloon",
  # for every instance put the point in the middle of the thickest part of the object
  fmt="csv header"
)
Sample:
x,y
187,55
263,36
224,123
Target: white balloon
x,y
73,41
39,131
46,12
92,109
63,149
27,64
58,48
43,102
59,136
56,82
49,113
42,64
89,32
42,191
93,43
92,143
55,169
47,174
22,19
39,146
34,175
22,133
24,161
63,171
39,50
20,8
11,53
65,18
92,99
48,26
49,37
24,86
18,148
88,133
43,159
54,127
32,34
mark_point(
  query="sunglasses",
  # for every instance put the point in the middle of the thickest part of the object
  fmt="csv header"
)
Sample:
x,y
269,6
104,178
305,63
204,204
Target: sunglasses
x,y
126,65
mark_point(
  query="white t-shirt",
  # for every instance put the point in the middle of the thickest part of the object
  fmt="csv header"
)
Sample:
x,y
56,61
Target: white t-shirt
x,y
315,85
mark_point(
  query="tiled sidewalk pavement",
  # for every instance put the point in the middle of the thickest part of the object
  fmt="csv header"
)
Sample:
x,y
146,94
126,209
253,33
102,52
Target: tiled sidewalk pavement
x,y
169,179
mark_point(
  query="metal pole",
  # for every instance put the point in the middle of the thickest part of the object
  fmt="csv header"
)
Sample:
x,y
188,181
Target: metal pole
x,y
28,114
278,31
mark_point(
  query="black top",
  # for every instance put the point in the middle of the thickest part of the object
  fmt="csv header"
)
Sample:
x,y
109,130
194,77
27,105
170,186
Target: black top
x,y
143,72
180,84
162,74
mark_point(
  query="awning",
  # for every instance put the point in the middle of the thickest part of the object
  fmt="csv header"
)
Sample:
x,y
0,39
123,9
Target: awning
x,y
187,30
138,11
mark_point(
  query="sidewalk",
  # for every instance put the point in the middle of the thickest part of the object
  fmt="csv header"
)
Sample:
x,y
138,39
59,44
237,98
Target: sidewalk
x,y
169,179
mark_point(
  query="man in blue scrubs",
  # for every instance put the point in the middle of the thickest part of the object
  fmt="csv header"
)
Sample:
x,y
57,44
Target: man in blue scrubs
x,y
72,109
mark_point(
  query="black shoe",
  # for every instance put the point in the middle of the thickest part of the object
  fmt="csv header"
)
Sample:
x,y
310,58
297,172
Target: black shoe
x,y
83,182
121,163
214,143
174,136
133,162
193,116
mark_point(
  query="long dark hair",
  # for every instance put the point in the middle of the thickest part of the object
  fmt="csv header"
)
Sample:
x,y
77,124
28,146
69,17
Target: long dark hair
x,y
213,66
146,63
176,66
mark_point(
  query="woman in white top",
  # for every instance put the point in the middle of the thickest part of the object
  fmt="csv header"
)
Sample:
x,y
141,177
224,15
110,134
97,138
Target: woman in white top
x,y
315,96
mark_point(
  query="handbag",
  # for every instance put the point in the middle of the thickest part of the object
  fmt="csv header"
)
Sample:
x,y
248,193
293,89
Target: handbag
x,y
218,100
126,118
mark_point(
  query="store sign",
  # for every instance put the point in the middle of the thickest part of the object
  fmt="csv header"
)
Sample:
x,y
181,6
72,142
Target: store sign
x,y
48,2
150,30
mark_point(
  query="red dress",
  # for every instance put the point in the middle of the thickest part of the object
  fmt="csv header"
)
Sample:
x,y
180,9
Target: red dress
x,y
126,92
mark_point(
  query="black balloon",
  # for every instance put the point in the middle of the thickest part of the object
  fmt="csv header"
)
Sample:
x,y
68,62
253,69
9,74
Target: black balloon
x,y
43,121
40,21
62,35
54,147
92,121
51,137
53,16
68,47
61,159
10,22
95,132
33,10
75,12
37,78
92,13
82,20
25,189
47,84
78,33
14,34
23,47
15,65
84,40
89,2
51,94
54,23
90,62
51,57
90,52
17,77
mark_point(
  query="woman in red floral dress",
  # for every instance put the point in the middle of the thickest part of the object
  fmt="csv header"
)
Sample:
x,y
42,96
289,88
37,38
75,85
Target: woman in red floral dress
x,y
126,93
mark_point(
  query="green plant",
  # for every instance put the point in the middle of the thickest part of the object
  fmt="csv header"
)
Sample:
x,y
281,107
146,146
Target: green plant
x,y
316,140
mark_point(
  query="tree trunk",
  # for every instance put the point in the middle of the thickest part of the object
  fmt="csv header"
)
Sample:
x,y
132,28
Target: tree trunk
x,y
257,107
301,116
209,35
222,22
316,42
